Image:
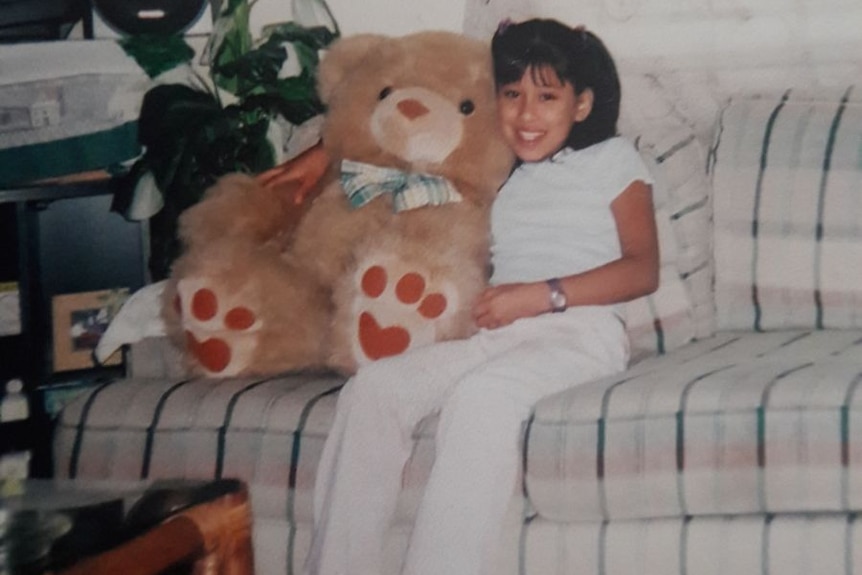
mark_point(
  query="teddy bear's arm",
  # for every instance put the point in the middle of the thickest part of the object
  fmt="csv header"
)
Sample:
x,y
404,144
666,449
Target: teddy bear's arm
x,y
240,209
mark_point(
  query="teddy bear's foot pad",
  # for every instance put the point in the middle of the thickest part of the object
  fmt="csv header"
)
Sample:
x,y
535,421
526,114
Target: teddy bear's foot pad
x,y
217,335
379,341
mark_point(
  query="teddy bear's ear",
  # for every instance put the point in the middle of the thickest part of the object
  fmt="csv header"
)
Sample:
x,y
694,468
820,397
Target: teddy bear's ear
x,y
342,57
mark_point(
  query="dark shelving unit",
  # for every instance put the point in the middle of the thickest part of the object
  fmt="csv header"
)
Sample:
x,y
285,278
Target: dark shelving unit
x,y
58,238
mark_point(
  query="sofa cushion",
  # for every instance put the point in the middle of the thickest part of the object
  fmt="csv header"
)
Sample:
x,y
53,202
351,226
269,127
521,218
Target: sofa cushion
x,y
739,423
681,309
750,544
269,432
787,177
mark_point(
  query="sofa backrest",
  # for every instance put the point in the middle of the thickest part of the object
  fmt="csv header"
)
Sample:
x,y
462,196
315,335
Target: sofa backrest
x,y
787,195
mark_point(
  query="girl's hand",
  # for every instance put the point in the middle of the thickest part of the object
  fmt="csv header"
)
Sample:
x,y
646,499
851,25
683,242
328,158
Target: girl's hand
x,y
304,172
501,305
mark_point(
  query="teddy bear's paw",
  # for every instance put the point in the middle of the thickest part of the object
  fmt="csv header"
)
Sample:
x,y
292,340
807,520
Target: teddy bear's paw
x,y
220,328
394,316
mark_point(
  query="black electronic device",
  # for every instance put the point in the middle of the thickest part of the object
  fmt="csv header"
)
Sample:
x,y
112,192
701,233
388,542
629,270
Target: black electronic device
x,y
153,17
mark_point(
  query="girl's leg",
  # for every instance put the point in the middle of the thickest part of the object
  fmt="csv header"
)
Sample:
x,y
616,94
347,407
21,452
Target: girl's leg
x,y
359,476
479,439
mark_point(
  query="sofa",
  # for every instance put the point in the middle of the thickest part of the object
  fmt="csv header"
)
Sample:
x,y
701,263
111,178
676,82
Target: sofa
x,y
732,444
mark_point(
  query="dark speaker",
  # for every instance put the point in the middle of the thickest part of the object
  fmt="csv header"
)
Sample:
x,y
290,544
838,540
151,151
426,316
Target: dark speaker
x,y
153,17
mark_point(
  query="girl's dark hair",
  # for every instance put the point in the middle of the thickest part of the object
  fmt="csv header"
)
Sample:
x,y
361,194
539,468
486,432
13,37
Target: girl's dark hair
x,y
576,55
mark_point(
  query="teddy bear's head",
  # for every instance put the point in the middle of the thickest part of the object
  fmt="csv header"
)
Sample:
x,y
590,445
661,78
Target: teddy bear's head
x,y
419,103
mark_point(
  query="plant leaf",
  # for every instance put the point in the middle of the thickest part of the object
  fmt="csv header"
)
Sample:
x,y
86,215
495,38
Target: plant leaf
x,y
168,111
229,40
293,98
256,69
317,38
157,54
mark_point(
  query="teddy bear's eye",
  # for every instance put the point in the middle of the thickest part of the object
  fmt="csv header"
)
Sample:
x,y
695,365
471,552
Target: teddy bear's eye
x,y
467,107
384,92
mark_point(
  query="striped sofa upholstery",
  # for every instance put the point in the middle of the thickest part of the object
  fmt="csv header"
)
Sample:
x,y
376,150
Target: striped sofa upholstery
x,y
737,453
759,429
788,222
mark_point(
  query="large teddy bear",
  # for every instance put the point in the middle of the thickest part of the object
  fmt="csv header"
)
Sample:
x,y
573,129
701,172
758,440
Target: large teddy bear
x,y
393,251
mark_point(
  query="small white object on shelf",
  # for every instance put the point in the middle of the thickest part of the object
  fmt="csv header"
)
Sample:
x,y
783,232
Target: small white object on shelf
x,y
14,405
14,469
10,309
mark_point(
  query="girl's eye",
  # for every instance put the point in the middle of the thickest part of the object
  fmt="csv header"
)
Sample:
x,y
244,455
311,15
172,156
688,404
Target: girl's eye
x,y
384,92
510,94
547,97
467,107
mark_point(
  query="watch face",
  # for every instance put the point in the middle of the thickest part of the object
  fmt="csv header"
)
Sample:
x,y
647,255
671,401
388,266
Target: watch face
x,y
558,299
558,296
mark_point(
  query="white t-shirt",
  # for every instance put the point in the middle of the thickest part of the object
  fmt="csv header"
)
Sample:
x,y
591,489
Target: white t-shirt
x,y
554,219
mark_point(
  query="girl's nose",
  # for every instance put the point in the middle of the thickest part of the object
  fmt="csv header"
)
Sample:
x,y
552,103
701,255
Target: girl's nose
x,y
527,109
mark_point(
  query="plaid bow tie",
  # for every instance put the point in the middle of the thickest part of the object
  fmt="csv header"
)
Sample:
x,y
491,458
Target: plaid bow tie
x,y
364,182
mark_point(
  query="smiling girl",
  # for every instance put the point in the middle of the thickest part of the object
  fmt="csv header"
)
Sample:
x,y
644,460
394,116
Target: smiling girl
x,y
574,236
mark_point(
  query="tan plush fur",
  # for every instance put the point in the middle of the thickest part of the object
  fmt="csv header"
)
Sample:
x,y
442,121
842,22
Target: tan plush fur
x,y
263,287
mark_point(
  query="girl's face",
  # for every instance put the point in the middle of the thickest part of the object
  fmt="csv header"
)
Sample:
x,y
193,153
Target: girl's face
x,y
538,111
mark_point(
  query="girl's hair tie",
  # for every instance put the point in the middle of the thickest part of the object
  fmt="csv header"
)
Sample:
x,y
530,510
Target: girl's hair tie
x,y
581,31
504,25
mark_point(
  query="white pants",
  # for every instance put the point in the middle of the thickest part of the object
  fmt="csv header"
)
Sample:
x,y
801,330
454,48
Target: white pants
x,y
485,388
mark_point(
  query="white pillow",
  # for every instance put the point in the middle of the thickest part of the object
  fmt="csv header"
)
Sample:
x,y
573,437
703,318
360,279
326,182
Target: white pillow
x,y
664,320
682,308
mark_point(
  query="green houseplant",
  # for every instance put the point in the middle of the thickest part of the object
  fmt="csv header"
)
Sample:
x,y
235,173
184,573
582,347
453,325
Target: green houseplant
x,y
194,131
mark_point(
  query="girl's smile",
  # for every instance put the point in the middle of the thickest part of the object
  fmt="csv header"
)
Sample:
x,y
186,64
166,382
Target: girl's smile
x,y
537,113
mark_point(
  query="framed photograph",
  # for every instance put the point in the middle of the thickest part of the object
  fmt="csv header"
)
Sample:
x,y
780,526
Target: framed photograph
x,y
79,320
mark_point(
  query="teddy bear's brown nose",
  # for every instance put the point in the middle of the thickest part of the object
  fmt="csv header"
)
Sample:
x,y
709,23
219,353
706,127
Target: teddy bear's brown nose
x,y
412,109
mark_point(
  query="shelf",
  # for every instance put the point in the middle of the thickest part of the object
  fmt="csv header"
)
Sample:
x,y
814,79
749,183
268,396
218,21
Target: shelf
x,y
79,186
60,237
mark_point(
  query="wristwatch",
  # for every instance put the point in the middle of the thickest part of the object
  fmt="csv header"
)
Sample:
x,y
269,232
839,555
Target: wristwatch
x,y
558,296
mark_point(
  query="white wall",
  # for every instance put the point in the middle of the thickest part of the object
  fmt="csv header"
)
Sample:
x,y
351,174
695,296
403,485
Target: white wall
x,y
681,59
397,17
816,35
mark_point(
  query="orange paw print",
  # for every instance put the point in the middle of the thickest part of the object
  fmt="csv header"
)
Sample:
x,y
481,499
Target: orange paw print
x,y
376,340
216,334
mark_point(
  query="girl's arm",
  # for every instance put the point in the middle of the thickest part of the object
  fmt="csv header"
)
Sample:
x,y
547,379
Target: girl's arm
x,y
304,171
633,275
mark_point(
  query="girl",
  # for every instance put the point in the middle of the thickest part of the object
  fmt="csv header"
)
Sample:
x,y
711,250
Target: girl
x,y
574,236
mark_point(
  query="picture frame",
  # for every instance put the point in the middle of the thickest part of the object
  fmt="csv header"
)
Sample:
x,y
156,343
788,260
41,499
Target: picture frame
x,y
78,322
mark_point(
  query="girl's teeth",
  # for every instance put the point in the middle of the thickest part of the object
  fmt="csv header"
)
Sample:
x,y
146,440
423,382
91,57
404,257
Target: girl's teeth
x,y
530,136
